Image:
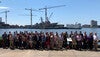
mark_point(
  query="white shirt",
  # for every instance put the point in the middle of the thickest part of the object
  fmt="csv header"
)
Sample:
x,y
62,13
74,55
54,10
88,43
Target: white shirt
x,y
95,37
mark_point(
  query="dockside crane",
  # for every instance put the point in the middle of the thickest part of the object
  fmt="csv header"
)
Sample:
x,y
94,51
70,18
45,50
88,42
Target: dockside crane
x,y
46,8
6,12
50,15
31,14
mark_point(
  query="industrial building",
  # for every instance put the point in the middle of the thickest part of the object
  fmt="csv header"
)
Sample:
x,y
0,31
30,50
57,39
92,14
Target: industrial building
x,y
94,23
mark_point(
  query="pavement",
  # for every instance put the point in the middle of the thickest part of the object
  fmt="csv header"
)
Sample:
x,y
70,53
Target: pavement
x,y
49,53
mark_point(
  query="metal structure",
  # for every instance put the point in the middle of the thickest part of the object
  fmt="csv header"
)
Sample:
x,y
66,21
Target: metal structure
x,y
6,12
50,15
46,8
31,14
41,19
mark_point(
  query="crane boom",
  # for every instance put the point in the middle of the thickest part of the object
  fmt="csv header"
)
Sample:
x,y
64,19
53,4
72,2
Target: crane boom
x,y
46,8
33,9
50,15
51,7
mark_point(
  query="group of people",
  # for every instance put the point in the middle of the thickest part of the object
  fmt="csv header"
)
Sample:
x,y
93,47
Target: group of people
x,y
50,40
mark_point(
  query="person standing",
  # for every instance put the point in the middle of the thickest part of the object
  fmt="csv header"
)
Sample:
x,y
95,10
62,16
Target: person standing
x,y
34,39
37,40
60,41
16,41
90,41
11,40
84,40
72,45
79,41
51,40
4,37
30,41
56,37
20,40
75,40
65,36
95,41
43,40
47,41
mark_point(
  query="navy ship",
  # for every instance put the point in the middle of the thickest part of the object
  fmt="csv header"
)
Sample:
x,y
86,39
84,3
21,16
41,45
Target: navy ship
x,y
48,25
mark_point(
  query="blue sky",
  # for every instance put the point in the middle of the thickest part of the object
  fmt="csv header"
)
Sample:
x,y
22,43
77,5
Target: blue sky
x,y
81,11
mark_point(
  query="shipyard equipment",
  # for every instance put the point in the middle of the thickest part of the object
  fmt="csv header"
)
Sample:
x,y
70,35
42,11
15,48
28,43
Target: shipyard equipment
x,y
31,14
6,12
46,8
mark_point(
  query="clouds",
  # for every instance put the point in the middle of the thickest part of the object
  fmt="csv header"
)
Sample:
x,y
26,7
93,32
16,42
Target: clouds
x,y
3,7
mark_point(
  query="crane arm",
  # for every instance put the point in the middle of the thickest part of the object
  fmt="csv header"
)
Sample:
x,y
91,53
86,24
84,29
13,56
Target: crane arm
x,y
56,6
4,11
33,10
50,15
42,8
52,7
27,9
26,15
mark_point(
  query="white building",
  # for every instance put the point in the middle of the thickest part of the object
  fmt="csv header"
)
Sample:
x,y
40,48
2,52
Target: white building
x,y
76,25
94,23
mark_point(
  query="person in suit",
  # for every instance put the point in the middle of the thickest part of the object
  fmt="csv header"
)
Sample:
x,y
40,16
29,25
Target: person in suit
x,y
90,41
4,38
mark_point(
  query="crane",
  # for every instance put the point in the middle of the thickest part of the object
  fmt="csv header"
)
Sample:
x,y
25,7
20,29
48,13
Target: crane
x,y
50,15
41,19
6,12
31,14
46,8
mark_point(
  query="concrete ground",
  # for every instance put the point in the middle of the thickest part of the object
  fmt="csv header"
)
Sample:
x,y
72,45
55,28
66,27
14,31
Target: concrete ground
x,y
38,53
